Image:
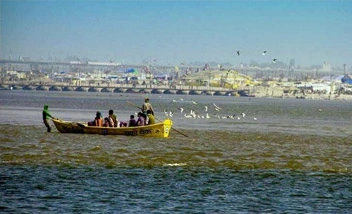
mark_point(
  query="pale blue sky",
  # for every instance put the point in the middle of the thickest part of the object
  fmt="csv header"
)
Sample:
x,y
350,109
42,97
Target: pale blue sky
x,y
173,32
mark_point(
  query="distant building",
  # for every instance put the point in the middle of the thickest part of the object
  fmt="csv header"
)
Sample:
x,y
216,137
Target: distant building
x,y
326,67
24,58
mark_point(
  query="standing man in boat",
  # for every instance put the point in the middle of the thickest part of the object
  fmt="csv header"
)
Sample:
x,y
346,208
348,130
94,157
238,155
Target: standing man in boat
x,y
147,106
46,117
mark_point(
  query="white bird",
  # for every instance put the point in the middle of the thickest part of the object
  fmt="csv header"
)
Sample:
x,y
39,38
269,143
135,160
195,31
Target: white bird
x,y
207,116
166,113
243,114
188,116
171,114
206,108
181,109
217,107
254,118
264,52
194,102
193,113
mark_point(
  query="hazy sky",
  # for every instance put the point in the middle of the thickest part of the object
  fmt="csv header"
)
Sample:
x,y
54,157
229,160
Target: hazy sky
x,y
173,32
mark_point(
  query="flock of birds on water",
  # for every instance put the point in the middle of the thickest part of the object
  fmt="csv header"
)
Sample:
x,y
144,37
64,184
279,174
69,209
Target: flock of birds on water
x,y
204,112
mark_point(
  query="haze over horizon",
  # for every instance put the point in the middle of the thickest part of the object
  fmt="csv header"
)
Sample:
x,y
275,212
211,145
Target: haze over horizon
x,y
174,32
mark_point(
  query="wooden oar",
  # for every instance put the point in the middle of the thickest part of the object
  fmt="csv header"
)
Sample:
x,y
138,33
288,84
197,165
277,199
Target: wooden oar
x,y
132,104
158,119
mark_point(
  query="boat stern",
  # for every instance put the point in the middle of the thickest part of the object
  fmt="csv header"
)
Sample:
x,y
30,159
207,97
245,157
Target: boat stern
x,y
167,127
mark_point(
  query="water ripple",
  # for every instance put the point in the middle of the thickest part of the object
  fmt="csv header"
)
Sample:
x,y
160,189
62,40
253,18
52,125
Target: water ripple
x,y
30,145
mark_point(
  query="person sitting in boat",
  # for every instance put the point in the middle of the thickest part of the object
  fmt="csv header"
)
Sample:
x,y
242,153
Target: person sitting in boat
x,y
114,119
151,118
123,124
98,120
132,121
108,122
141,119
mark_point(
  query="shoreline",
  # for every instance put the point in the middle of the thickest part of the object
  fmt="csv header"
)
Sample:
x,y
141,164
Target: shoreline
x,y
253,91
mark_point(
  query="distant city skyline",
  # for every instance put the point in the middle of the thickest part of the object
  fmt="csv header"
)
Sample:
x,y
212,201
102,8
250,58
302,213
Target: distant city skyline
x,y
311,32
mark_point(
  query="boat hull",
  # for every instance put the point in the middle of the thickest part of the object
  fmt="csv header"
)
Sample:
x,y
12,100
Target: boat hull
x,y
161,129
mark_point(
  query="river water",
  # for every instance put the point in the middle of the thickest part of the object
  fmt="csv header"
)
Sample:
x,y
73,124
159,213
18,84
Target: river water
x,y
250,156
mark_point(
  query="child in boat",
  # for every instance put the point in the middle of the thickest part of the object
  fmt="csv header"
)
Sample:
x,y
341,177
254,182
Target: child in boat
x,y
132,121
141,119
107,122
123,124
151,118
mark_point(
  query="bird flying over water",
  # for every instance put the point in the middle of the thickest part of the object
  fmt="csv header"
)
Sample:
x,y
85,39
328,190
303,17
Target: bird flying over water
x,y
238,52
264,52
274,61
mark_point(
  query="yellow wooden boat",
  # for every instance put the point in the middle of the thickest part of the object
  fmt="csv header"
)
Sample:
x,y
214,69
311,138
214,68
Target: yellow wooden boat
x,y
161,129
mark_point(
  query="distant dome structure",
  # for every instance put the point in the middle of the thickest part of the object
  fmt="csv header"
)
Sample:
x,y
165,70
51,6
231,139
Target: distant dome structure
x,y
221,78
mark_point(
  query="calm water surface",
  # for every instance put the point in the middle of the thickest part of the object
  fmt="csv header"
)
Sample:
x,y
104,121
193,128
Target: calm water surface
x,y
283,156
